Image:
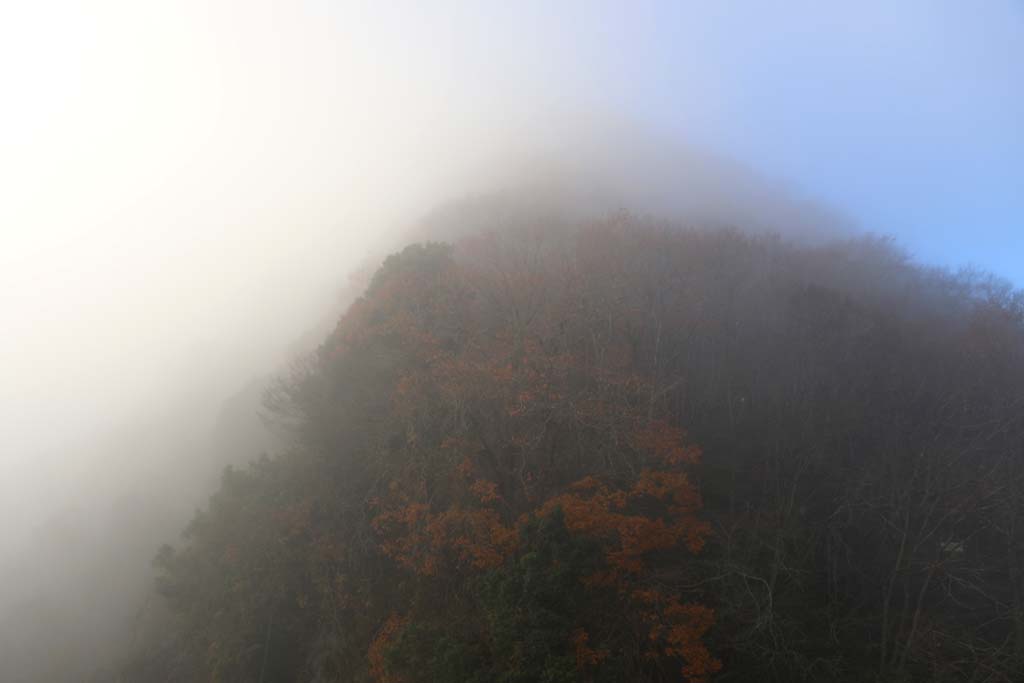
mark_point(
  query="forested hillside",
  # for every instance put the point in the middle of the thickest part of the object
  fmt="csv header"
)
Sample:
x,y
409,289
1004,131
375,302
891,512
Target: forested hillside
x,y
626,452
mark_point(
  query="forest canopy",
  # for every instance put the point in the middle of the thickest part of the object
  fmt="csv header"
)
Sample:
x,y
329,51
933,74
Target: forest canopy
x,y
626,451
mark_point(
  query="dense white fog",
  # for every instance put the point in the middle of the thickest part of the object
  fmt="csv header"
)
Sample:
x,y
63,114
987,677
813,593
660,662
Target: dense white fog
x,y
187,187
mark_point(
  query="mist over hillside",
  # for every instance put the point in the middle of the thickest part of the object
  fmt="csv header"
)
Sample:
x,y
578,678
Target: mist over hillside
x,y
623,449
599,341
122,493
94,601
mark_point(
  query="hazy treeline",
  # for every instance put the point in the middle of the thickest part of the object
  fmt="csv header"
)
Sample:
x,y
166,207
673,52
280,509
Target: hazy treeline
x,y
87,512
73,590
626,451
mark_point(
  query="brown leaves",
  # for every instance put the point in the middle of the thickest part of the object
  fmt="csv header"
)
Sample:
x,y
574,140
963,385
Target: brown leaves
x,y
600,511
383,640
586,657
656,513
506,409
456,538
666,442
485,491
677,629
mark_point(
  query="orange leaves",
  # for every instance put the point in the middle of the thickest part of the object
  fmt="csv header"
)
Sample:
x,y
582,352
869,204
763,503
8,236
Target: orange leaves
x,y
399,532
477,537
530,396
425,542
586,657
595,509
640,535
656,513
681,500
677,629
453,446
666,485
465,468
485,491
588,483
375,655
666,442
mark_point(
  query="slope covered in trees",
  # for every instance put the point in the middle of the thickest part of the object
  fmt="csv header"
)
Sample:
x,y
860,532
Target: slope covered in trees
x,y
625,452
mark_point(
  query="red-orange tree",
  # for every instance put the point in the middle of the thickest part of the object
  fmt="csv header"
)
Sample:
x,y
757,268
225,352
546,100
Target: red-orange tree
x,y
482,487
518,399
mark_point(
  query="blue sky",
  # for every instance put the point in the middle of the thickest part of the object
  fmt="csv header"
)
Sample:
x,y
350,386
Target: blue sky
x,y
908,117
189,180
177,174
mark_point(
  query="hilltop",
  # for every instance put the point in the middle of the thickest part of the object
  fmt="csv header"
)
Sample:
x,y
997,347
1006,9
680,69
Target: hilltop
x,y
621,450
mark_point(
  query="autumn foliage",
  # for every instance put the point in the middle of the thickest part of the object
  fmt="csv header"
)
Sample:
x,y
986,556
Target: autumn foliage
x,y
508,410
626,453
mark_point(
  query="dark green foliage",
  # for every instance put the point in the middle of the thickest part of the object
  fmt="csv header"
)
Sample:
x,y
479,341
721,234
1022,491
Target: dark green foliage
x,y
534,605
862,421
521,618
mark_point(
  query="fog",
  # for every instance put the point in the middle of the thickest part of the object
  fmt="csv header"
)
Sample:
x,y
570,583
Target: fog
x,y
188,186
